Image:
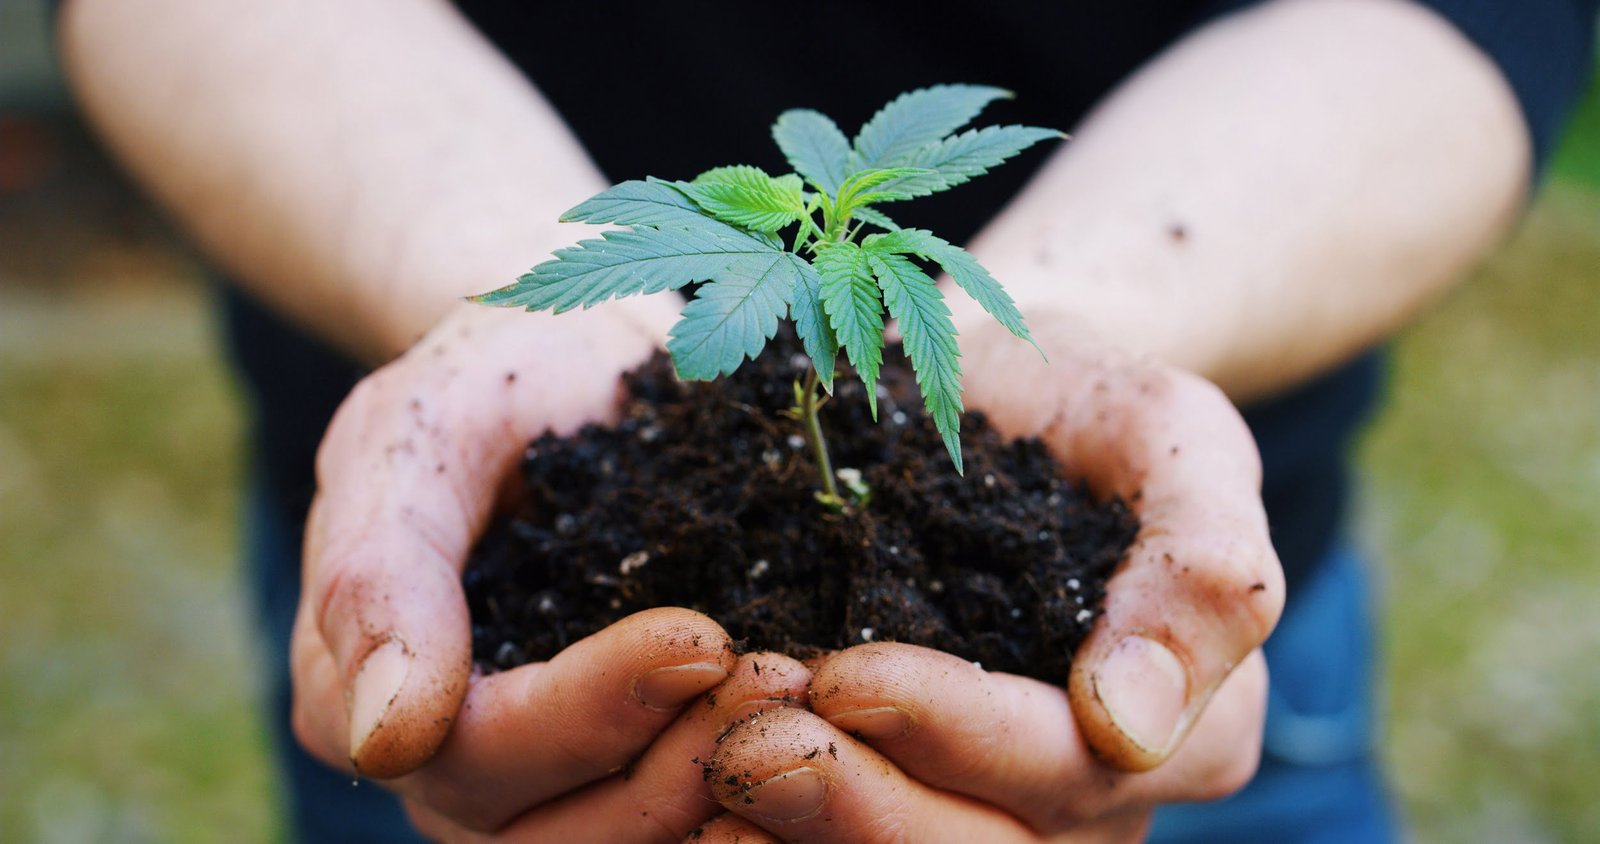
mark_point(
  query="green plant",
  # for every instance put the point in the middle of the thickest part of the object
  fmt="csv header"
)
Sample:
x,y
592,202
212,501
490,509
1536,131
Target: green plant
x,y
723,229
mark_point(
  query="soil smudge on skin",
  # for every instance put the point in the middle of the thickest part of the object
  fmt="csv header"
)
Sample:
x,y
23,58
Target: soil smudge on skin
x,y
702,496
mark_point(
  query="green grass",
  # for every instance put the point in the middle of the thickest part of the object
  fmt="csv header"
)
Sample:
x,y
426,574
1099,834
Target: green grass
x,y
1484,479
127,699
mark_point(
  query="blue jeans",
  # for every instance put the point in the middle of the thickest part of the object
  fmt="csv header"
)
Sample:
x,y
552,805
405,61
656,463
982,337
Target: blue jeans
x,y
1318,779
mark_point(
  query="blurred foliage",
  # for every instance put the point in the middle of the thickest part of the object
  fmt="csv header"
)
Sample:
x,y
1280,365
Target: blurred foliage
x,y
127,702
1483,482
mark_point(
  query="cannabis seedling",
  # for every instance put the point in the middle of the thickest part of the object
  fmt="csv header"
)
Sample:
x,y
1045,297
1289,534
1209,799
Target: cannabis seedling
x,y
722,229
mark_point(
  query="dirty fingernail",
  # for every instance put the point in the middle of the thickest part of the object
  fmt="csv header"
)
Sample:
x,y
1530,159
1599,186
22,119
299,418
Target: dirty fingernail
x,y
793,796
672,687
1144,689
880,722
377,684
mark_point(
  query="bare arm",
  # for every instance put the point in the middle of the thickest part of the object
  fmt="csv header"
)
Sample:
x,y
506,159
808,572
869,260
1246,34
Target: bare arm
x,y
358,165
1277,192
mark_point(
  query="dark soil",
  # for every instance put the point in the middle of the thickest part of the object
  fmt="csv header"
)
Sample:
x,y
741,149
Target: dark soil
x,y
703,497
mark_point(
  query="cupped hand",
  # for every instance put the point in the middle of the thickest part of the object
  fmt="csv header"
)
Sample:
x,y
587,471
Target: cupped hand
x,y
1166,699
409,473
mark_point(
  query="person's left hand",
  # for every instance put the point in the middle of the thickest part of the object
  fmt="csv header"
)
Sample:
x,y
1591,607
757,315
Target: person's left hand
x,y
923,746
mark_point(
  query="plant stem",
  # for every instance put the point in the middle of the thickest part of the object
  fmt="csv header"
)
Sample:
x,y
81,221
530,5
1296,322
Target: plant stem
x,y
819,443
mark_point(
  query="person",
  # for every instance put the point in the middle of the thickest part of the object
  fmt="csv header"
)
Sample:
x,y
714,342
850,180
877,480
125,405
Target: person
x,y
1263,192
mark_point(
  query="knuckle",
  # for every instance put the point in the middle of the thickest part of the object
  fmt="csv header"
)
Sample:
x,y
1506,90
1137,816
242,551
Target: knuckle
x,y
1241,583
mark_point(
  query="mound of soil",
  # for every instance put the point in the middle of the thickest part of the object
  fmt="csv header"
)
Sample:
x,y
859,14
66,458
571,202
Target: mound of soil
x,y
703,497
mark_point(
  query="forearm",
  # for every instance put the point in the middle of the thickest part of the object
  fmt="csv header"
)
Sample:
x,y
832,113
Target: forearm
x,y
1275,193
359,165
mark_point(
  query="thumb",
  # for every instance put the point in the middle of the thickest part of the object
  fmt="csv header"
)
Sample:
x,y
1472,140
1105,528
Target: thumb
x,y
408,475
1201,586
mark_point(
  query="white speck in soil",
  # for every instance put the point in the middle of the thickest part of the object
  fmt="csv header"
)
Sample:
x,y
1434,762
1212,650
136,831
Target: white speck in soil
x,y
649,433
772,457
1044,535
894,550
1078,598
759,568
633,562
799,363
547,605
796,442
867,633
988,481
898,417
509,654
616,603
1084,615
883,392
936,586
1073,584
1016,612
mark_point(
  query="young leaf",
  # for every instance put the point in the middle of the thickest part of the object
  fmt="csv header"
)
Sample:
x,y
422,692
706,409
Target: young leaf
x,y
917,118
626,263
965,269
929,339
814,146
747,196
961,158
811,321
732,318
862,188
854,304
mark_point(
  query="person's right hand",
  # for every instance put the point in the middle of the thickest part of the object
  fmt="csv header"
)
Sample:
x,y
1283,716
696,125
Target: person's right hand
x,y
409,473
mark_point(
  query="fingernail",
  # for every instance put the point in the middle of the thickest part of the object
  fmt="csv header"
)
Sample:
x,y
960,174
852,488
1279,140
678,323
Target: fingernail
x,y
881,722
377,685
672,687
1144,689
793,796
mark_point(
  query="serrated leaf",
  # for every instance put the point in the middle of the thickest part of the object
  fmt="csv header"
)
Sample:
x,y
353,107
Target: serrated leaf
x,y
643,203
811,320
961,158
732,318
854,303
863,187
876,218
929,339
917,118
814,146
746,196
962,267
627,263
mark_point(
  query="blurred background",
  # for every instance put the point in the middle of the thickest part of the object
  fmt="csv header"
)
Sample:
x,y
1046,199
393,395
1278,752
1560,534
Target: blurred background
x,y
126,687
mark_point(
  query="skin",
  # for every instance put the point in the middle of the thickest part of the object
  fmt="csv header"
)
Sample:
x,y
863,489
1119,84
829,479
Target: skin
x,y
1179,233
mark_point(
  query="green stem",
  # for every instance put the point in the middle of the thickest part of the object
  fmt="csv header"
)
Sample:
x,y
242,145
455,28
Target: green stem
x,y
819,443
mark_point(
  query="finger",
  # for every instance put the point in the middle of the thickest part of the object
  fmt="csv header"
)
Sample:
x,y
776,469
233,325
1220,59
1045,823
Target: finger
x,y
729,829
527,735
665,794
407,476
1201,586
1013,742
801,778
